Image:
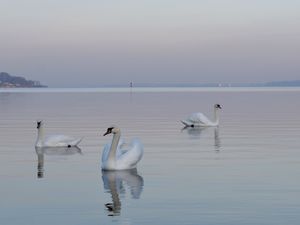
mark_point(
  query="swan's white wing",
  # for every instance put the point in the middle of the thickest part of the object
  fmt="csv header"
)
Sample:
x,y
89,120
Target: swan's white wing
x,y
130,157
60,141
198,118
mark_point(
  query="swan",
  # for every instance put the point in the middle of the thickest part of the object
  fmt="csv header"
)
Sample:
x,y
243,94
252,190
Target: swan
x,y
200,120
115,157
54,140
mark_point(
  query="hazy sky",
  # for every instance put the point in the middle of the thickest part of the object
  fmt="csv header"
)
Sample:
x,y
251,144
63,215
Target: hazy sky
x,y
73,43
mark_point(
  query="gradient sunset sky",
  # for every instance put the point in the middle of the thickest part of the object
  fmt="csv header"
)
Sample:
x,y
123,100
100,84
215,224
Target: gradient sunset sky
x,y
75,43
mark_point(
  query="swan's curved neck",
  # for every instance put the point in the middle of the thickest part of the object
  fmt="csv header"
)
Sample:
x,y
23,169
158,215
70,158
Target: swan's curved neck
x,y
216,116
40,137
113,148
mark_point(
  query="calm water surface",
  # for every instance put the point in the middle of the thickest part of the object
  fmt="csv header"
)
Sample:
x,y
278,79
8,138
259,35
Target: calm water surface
x,y
244,172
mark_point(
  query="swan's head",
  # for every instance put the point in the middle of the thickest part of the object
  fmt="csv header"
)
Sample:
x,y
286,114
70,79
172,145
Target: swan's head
x,y
39,124
218,106
113,130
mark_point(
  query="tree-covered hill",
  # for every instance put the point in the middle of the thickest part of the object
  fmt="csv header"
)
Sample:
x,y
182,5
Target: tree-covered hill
x,y
7,80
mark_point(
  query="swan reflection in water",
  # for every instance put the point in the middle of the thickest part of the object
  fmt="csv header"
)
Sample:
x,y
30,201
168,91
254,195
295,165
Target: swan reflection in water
x,y
217,139
198,132
57,151
115,183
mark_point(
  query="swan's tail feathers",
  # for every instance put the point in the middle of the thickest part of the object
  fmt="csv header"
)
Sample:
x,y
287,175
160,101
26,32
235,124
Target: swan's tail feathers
x,y
186,123
77,141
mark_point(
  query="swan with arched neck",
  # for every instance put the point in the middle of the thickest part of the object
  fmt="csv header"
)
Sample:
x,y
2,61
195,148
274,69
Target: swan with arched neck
x,y
116,157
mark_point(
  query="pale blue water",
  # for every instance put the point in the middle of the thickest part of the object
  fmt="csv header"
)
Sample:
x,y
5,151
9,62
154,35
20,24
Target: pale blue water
x,y
244,172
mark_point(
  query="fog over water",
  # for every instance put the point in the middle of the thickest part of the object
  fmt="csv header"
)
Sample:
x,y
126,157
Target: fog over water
x,y
88,44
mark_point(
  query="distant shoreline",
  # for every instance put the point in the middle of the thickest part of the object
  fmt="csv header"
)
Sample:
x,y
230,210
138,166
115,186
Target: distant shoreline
x,y
9,81
149,89
163,86
293,83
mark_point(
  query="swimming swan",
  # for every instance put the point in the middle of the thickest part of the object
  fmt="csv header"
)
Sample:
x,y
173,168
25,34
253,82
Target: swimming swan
x,y
115,157
54,140
199,119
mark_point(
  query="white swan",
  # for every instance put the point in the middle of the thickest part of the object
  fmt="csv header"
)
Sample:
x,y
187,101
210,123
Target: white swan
x,y
115,157
199,119
54,140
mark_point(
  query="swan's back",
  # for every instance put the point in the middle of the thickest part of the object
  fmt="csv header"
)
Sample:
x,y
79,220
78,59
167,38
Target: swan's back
x,y
198,118
61,141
